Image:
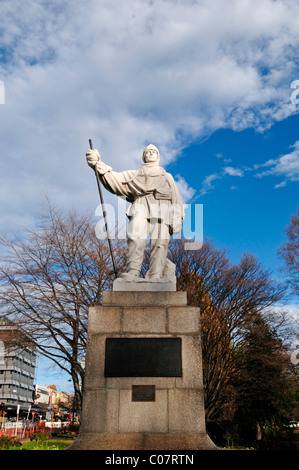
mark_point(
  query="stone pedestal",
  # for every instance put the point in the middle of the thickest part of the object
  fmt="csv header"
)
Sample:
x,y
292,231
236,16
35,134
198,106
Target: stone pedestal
x,y
173,417
144,285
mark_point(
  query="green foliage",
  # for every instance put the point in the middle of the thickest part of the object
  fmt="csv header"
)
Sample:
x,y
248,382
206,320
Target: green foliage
x,y
53,443
232,438
74,428
277,439
40,437
6,442
265,392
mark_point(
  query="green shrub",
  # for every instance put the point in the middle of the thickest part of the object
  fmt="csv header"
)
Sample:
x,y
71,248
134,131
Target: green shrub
x,y
6,442
280,440
74,428
40,437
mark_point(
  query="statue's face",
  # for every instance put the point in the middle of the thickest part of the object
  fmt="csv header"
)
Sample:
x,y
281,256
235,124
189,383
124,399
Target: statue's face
x,y
150,155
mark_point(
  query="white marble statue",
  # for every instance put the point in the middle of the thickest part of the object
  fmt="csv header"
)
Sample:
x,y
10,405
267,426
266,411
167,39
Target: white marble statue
x,y
156,209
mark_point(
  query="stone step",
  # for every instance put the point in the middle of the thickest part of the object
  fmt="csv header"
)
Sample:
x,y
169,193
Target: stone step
x,y
136,298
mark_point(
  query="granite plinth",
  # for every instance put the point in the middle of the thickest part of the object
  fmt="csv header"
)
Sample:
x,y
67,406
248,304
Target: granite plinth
x,y
111,419
144,441
144,285
144,299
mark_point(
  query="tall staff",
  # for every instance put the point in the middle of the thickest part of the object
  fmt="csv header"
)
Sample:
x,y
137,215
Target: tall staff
x,y
105,216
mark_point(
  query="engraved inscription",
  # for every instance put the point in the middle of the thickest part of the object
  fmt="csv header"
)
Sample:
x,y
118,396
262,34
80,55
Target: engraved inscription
x,y
143,357
143,393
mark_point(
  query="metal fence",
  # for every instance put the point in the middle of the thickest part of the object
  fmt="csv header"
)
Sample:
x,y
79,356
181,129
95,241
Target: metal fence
x,y
21,430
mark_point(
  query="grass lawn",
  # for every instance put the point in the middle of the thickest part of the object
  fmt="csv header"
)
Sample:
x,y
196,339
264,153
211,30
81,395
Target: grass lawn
x,y
53,443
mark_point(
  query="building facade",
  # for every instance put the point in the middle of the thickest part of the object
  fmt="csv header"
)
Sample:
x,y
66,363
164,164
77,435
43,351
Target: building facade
x,y
45,395
42,395
17,368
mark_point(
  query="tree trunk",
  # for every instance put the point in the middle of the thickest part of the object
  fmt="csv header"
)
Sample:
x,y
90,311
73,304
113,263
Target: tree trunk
x,y
258,432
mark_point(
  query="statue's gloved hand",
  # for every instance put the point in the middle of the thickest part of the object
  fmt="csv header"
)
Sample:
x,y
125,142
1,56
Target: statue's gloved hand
x,y
92,157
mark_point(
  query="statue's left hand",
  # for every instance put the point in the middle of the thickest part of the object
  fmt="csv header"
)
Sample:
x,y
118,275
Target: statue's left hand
x,y
92,157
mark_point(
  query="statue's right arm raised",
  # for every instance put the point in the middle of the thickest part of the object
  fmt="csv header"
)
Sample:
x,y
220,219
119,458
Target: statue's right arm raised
x,y
113,181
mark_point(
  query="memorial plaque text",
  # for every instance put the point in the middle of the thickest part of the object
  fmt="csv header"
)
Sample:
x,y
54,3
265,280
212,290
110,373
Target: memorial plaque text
x,y
143,357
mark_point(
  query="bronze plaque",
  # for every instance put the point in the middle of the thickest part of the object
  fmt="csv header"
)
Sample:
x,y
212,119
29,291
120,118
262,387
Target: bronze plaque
x,y
143,393
143,357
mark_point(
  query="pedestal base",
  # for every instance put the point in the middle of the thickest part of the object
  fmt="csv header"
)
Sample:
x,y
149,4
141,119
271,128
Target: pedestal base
x,y
144,285
149,342
139,441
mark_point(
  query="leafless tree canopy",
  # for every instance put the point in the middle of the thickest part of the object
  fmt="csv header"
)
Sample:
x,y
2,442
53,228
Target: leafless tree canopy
x,y
229,297
50,276
289,251
48,279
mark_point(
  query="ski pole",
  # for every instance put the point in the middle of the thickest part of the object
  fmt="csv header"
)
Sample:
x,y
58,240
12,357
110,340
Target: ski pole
x,y
105,216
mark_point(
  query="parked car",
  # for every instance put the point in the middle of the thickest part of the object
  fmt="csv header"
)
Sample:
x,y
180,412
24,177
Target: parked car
x,y
293,424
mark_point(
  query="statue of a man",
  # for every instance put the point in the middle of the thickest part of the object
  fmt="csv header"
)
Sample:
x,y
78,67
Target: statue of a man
x,y
156,209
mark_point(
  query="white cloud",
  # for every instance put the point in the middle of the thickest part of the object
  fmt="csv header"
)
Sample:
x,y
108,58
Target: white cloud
x,y
280,185
186,191
286,166
130,73
207,183
228,170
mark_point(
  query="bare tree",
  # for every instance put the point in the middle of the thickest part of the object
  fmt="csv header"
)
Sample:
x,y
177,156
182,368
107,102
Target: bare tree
x,y
289,251
228,296
49,278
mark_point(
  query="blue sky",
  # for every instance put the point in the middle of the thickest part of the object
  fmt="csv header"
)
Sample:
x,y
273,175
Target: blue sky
x,y
246,202
207,81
